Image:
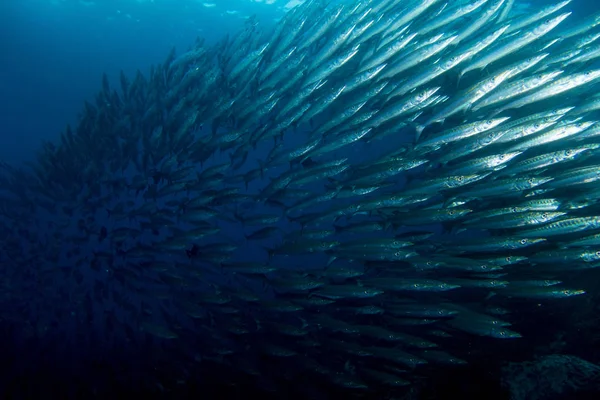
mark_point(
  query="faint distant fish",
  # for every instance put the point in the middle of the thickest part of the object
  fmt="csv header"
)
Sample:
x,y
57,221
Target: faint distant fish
x,y
194,251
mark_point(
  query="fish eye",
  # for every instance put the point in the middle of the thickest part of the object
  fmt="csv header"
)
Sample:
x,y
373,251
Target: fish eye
x,y
587,73
598,254
536,126
545,215
460,178
514,209
569,152
489,121
523,241
508,258
501,157
450,212
531,181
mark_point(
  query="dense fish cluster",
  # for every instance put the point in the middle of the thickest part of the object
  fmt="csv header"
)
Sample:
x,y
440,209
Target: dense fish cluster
x,y
340,198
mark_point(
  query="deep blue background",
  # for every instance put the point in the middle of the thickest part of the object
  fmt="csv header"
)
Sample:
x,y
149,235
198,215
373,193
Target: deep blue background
x,y
53,54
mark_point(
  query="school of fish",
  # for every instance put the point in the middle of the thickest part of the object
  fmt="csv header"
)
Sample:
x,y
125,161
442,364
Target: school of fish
x,y
325,194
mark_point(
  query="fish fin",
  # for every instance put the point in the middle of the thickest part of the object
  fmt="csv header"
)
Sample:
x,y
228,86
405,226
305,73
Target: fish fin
x,y
447,227
460,75
418,132
237,216
270,252
261,164
304,323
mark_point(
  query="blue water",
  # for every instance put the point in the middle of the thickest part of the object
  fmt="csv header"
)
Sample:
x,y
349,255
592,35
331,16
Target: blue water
x,y
53,54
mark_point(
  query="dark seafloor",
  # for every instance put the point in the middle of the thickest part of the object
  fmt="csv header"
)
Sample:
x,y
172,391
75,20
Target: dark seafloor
x,y
370,199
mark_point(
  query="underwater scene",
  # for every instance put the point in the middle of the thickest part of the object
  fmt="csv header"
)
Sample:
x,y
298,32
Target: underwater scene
x,y
319,199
